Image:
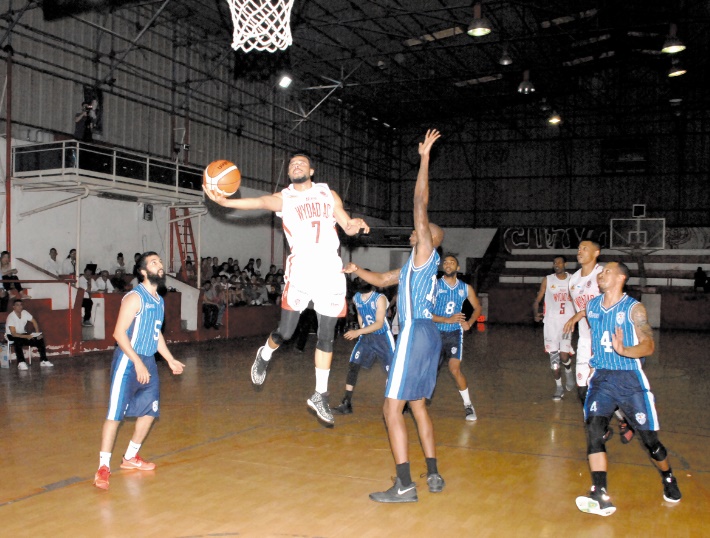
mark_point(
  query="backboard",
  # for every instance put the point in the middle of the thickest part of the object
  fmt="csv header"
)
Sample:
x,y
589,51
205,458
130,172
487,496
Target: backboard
x,y
639,233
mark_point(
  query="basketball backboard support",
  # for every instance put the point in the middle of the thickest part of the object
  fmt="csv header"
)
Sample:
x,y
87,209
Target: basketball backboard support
x,y
639,233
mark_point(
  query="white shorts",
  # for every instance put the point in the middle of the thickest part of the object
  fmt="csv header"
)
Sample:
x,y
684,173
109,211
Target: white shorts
x,y
554,340
315,278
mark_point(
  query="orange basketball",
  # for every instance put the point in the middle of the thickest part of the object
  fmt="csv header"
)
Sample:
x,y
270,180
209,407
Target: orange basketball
x,y
222,176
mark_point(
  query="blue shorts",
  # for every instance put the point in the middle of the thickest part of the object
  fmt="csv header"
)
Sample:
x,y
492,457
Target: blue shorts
x,y
627,389
416,358
373,346
128,397
451,345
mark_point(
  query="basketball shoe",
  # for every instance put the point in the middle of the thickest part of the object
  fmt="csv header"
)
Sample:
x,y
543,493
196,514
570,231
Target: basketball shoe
x,y
435,482
319,403
258,369
397,493
671,492
101,477
559,393
570,382
345,408
596,502
470,413
137,463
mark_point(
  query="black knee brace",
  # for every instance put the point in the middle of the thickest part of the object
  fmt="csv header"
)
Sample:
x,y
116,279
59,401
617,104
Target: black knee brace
x,y
353,371
326,332
653,445
596,430
287,326
582,393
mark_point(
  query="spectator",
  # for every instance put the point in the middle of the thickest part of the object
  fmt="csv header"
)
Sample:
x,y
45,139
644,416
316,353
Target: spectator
x,y
84,123
190,273
215,267
136,258
9,274
273,290
249,267
224,270
52,265
69,264
210,305
119,281
700,279
86,282
103,283
16,333
272,271
120,264
257,267
206,268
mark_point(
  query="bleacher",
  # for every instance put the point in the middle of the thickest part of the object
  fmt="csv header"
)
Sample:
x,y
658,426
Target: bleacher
x,y
669,268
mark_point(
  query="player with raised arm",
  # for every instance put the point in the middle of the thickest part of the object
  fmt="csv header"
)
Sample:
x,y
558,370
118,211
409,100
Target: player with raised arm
x,y
621,340
558,310
451,322
412,376
374,339
309,213
135,386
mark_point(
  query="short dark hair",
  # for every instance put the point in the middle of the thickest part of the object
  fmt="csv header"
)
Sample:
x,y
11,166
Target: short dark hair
x,y
449,255
16,301
624,270
142,262
304,155
561,257
593,242
119,255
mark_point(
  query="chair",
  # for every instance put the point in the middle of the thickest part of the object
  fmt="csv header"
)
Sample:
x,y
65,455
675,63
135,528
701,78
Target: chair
x,y
6,347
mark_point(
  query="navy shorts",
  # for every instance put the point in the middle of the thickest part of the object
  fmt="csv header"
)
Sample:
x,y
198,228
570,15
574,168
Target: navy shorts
x,y
416,358
373,346
627,389
128,398
451,345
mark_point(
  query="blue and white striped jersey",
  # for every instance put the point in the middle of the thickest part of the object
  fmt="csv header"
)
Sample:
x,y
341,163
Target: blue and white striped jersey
x,y
145,329
415,296
367,310
603,323
449,301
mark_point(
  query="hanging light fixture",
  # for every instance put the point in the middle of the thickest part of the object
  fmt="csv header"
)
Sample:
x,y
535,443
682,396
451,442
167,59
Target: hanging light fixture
x,y
505,58
672,44
479,26
676,70
526,87
554,119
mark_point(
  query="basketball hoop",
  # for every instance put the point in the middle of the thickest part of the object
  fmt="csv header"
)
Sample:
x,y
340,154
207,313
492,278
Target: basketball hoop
x,y
261,24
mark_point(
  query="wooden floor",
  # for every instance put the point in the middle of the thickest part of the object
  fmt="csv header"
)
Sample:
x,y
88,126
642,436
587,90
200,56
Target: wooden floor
x,y
235,461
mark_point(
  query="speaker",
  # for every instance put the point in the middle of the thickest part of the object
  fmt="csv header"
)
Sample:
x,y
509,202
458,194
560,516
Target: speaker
x,y
148,212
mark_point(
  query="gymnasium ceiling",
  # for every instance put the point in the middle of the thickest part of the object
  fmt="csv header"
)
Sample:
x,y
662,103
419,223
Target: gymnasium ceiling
x,y
411,61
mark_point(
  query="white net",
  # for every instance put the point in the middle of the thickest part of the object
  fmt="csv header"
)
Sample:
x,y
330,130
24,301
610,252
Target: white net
x,y
261,24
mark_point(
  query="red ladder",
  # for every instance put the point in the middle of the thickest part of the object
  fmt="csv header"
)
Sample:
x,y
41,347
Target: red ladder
x,y
182,230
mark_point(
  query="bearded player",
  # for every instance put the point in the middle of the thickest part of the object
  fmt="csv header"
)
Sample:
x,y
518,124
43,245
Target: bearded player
x,y
309,213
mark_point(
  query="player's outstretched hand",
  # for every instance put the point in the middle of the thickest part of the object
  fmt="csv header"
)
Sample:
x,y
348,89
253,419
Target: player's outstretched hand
x,y
432,135
351,335
617,341
357,225
176,366
350,268
216,196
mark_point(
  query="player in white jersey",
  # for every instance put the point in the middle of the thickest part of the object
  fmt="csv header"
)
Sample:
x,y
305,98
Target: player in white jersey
x,y
558,309
412,376
309,212
583,287
135,387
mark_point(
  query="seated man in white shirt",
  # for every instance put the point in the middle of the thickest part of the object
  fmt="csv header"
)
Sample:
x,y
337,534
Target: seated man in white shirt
x,y
86,282
15,332
103,283
52,265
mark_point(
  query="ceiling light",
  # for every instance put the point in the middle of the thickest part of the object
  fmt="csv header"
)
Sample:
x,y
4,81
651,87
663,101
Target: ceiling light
x,y
526,87
505,58
479,26
554,119
672,44
676,70
285,81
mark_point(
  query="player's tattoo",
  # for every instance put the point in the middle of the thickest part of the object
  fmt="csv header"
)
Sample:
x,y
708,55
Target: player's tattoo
x,y
640,320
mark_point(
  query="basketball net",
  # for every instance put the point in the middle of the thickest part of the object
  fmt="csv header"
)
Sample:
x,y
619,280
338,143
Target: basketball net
x,y
261,24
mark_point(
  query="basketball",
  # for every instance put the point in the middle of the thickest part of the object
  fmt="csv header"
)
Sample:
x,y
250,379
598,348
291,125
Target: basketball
x,y
222,176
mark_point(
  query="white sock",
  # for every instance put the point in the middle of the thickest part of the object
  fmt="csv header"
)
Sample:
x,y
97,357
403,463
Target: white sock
x,y
266,352
559,382
105,459
132,450
465,396
322,380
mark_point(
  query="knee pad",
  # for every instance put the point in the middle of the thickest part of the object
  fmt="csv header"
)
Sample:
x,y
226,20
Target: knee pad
x,y
555,360
326,331
287,326
353,370
276,337
653,445
596,430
